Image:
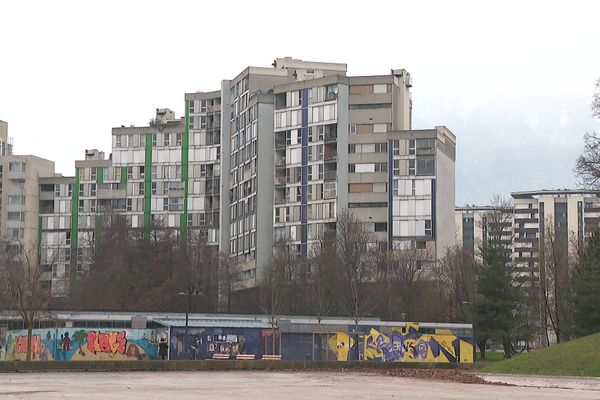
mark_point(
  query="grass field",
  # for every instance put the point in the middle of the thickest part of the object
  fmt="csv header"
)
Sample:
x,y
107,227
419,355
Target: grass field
x,y
579,357
491,356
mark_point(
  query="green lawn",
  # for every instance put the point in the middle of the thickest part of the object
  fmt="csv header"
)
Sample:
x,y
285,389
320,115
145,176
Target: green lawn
x,y
491,356
579,357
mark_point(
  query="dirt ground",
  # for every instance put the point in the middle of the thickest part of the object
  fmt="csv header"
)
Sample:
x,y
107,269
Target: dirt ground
x,y
249,385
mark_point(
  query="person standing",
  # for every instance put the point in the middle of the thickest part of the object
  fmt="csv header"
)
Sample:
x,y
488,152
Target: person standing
x,y
163,348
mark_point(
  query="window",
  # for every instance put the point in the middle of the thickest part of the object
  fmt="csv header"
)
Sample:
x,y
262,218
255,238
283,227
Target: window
x,y
425,166
81,189
371,106
16,216
142,171
68,238
141,189
130,172
154,172
153,187
380,226
154,140
93,189
379,88
428,230
425,146
16,166
178,139
352,148
380,167
380,147
379,128
93,205
411,146
411,167
178,172
129,204
93,173
16,199
70,190
352,129
167,139
81,205
396,168
117,140
396,147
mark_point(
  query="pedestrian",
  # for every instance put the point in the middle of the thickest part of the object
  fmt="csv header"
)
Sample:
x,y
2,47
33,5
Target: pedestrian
x,y
163,347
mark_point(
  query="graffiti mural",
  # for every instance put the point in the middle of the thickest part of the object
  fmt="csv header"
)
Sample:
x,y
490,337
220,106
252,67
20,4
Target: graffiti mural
x,y
202,343
84,344
407,344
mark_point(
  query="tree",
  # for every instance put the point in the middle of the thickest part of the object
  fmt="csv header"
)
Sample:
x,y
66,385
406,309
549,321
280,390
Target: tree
x,y
587,166
20,283
271,293
495,305
456,274
586,289
555,281
408,269
356,268
321,280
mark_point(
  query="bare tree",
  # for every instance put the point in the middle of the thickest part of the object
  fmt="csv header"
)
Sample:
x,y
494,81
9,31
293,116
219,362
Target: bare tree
x,y
408,267
587,166
356,266
20,283
555,274
321,280
272,298
456,274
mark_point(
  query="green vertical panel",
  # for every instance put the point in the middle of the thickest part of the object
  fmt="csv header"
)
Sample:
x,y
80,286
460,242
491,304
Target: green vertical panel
x,y
147,186
100,175
98,230
124,171
185,146
74,230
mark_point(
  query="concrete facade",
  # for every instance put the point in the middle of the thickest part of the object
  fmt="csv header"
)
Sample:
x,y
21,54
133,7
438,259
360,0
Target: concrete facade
x,y
19,199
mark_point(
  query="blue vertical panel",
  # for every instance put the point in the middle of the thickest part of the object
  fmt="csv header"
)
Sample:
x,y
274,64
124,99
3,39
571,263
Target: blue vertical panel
x,y
390,192
433,210
304,171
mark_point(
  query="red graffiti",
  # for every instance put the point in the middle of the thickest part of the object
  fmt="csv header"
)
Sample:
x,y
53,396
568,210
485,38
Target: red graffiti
x,y
109,342
21,344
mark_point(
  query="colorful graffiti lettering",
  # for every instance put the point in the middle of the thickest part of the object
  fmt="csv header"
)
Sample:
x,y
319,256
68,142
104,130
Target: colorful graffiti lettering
x,y
408,344
109,342
21,344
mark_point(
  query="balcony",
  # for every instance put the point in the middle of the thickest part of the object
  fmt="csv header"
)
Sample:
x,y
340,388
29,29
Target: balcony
x,y
16,175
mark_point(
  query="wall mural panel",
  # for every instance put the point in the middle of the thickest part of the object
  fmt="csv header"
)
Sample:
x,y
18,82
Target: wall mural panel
x,y
84,344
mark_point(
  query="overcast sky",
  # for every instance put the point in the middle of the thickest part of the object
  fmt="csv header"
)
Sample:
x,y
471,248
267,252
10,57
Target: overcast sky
x,y
512,79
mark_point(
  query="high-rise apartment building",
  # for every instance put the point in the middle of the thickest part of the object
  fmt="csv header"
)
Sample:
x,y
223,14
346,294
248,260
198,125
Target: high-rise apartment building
x,y
164,175
5,146
19,195
275,155
306,142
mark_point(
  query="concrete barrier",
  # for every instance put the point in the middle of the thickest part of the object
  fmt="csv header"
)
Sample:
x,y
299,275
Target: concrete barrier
x,y
210,365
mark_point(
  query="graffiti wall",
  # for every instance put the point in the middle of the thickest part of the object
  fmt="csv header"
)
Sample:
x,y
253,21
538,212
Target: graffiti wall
x,y
403,344
84,344
202,343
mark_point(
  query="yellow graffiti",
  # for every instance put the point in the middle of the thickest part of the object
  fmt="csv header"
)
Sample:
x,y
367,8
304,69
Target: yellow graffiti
x,y
341,343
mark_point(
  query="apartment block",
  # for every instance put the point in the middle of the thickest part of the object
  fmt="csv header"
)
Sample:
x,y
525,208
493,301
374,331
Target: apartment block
x,y
5,145
165,175
306,142
19,197
272,157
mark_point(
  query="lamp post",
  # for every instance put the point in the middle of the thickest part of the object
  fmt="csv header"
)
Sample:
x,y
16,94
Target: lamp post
x,y
188,311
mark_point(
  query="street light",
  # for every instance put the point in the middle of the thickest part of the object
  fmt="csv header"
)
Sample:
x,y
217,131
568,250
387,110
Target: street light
x,y
187,315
